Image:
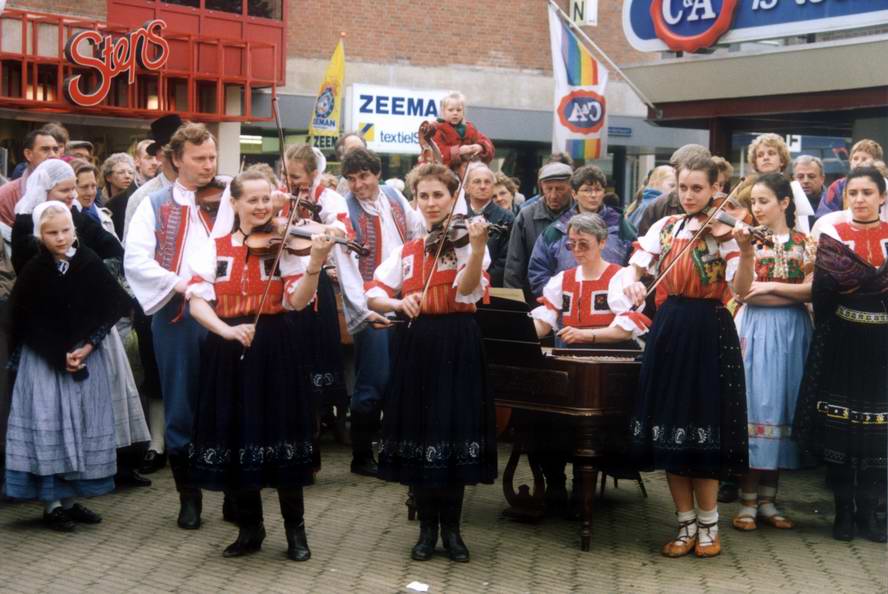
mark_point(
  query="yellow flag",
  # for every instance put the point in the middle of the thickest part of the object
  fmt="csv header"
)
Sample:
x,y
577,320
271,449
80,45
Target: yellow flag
x,y
323,129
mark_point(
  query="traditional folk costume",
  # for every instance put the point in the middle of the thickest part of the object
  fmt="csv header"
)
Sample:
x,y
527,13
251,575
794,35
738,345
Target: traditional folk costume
x,y
690,413
254,416
165,231
382,225
774,342
439,427
842,411
61,438
570,299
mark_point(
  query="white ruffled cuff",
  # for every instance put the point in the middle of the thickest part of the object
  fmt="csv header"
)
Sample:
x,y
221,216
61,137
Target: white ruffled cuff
x,y
476,295
637,324
544,314
201,289
644,259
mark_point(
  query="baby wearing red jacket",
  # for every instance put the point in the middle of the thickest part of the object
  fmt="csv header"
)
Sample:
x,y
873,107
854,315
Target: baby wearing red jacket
x,y
458,140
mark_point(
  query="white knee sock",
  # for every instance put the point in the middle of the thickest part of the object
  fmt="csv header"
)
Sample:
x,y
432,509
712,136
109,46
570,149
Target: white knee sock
x,y
707,535
767,509
689,518
748,504
51,505
156,425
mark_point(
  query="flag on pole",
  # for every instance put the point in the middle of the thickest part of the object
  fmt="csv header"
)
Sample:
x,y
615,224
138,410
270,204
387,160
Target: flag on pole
x,y
323,128
579,124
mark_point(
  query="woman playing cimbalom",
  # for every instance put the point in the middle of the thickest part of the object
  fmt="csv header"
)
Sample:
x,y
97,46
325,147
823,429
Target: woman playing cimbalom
x,y
439,426
843,402
254,416
775,330
690,413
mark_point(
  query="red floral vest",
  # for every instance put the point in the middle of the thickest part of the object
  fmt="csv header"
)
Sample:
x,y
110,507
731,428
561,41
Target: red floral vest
x,y
416,266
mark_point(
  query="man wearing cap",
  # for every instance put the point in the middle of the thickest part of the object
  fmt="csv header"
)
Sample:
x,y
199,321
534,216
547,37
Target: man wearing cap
x,y
161,132
80,149
147,165
554,181
667,204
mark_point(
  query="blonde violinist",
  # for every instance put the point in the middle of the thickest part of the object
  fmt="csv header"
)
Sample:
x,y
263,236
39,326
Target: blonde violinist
x,y
438,432
254,415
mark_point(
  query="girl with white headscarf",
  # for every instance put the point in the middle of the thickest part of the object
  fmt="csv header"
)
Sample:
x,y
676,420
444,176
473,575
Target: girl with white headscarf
x,y
62,307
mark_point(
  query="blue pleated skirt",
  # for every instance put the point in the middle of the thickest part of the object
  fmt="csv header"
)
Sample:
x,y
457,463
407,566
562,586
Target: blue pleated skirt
x,y
774,342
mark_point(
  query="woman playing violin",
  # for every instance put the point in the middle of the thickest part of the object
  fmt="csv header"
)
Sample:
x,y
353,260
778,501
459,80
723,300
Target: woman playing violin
x,y
690,412
438,431
254,416
775,330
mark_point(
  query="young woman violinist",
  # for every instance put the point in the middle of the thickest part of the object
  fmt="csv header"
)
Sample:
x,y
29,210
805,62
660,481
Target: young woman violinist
x,y
775,330
690,413
439,429
254,417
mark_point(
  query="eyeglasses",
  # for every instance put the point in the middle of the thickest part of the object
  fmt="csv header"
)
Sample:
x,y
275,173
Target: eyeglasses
x,y
577,246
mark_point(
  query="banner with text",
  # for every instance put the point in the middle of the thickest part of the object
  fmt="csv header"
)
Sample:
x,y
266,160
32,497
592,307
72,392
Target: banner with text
x,y
579,124
323,129
389,117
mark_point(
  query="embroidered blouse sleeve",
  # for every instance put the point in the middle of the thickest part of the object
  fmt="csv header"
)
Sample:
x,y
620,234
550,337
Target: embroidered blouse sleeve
x,y
292,269
649,247
809,249
388,277
203,272
551,302
730,252
625,317
462,256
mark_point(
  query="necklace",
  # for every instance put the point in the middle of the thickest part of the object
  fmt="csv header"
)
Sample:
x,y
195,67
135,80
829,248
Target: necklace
x,y
871,222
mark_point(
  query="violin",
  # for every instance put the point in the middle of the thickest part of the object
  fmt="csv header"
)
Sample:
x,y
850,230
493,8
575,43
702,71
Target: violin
x,y
296,241
209,197
302,201
456,235
760,233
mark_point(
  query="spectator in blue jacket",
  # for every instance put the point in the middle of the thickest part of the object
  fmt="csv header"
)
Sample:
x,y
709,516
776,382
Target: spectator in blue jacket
x,y
550,254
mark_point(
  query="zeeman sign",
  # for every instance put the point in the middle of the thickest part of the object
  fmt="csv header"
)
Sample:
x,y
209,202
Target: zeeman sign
x,y
389,117
109,57
692,25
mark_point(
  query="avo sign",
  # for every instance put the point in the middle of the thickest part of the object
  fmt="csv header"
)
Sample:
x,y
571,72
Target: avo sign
x,y
691,25
143,48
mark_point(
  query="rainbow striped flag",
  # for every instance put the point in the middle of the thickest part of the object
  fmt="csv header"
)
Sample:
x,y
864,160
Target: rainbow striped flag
x,y
580,109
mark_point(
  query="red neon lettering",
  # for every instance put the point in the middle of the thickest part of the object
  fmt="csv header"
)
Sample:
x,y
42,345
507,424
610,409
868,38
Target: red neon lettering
x,y
123,55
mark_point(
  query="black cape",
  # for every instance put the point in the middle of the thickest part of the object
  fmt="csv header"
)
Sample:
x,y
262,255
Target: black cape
x,y
54,313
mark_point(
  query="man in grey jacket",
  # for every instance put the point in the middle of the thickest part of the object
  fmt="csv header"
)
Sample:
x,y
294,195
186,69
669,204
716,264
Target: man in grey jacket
x,y
554,182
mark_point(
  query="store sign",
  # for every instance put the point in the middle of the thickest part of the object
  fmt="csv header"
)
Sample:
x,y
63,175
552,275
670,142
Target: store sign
x,y
584,12
109,57
690,25
389,117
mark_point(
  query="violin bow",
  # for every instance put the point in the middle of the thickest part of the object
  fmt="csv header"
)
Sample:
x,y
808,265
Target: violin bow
x,y
428,281
294,209
662,274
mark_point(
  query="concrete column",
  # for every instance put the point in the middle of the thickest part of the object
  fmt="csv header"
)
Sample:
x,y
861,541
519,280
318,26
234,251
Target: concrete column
x,y
228,134
645,164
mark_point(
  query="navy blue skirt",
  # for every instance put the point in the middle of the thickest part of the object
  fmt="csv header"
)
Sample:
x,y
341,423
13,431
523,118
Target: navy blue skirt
x,y
690,413
439,419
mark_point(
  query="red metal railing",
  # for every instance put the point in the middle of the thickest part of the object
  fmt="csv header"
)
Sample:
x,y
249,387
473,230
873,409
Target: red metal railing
x,y
199,74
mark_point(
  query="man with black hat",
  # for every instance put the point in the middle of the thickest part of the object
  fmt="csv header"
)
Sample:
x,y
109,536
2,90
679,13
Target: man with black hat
x,y
554,182
155,458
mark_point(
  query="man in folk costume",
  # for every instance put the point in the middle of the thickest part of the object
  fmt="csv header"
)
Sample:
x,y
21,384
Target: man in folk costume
x,y
383,221
165,230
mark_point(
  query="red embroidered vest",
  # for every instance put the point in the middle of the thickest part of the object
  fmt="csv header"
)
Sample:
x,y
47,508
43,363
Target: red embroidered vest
x,y
240,282
585,302
416,266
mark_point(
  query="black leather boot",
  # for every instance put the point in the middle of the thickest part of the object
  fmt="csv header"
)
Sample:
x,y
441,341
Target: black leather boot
x,y
869,524
249,540
249,518
427,507
190,497
293,510
843,525
229,508
450,507
363,462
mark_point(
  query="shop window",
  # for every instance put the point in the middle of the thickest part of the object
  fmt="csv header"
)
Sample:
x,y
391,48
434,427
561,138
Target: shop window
x,y
267,9
190,3
232,6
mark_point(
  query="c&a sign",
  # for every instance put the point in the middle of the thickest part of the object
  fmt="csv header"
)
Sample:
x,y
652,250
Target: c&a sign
x,y
143,48
691,25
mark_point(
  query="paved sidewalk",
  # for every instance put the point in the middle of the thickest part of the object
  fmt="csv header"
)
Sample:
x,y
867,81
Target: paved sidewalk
x,y
360,540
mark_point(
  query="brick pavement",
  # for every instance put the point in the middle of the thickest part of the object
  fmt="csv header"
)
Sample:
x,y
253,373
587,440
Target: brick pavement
x,y
360,540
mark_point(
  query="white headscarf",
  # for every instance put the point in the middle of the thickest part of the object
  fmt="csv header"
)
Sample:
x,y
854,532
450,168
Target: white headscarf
x,y
41,181
41,209
803,208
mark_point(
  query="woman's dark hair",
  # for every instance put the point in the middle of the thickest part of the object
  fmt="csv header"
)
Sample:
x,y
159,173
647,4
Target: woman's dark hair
x,y
701,163
870,172
779,185
360,159
236,189
588,174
